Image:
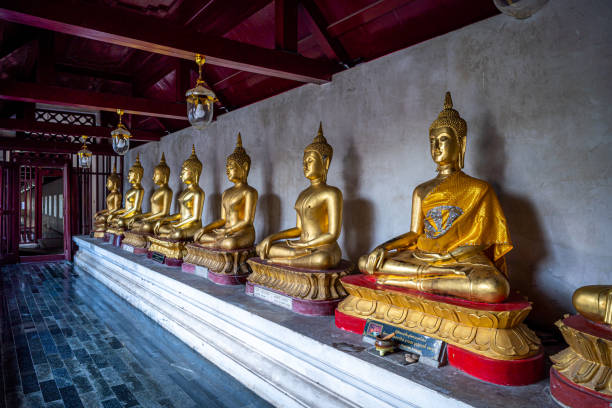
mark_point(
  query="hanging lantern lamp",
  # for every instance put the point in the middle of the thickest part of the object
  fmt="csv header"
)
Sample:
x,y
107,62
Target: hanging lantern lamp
x,y
84,155
200,100
121,137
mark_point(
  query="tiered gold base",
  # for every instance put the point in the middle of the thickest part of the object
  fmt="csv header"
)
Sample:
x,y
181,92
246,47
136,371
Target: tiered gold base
x,y
300,283
99,233
588,359
115,231
167,247
492,330
135,239
227,262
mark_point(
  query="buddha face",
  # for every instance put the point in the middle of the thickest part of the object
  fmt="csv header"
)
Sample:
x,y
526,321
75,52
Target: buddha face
x,y
110,184
314,166
187,175
445,146
159,177
133,176
235,173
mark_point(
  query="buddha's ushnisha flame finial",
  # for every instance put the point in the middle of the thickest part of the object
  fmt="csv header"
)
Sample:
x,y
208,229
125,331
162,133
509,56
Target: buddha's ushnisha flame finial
x,y
450,118
320,145
163,159
114,168
239,155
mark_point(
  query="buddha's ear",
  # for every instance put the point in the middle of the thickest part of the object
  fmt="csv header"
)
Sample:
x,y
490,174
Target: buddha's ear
x,y
246,167
326,162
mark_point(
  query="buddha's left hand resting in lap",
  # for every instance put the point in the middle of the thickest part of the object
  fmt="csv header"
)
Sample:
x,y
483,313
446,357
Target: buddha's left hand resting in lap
x,y
319,218
458,235
184,224
234,229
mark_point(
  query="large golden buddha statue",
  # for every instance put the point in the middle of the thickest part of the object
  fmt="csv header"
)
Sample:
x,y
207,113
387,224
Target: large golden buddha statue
x,y
458,235
316,250
161,199
133,201
113,203
235,227
594,302
446,277
224,245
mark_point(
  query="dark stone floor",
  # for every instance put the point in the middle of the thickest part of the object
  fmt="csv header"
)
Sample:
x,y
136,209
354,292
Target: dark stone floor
x,y
68,341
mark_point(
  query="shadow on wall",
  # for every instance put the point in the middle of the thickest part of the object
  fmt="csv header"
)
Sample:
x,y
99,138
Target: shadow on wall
x,y
530,248
269,203
213,204
358,212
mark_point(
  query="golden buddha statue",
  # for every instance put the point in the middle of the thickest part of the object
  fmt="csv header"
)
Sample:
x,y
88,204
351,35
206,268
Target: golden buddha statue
x,y
583,371
319,218
307,270
185,223
594,302
133,201
458,236
161,199
235,227
224,245
113,203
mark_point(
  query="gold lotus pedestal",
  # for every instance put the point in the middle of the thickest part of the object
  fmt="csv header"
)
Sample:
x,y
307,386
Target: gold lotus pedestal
x,y
304,291
487,340
135,242
581,375
166,250
221,266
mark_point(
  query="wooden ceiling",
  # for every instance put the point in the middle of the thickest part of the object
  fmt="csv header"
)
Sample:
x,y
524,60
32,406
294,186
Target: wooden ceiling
x,y
138,54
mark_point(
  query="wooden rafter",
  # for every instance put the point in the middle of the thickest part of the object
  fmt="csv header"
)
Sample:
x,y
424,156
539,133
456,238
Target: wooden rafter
x,y
285,24
25,125
150,34
55,95
319,29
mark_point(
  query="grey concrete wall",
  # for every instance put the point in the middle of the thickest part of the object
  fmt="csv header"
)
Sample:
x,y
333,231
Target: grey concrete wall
x,y
537,97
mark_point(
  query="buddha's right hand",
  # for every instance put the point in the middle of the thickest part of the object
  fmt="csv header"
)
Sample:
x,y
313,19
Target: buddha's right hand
x,y
156,227
375,260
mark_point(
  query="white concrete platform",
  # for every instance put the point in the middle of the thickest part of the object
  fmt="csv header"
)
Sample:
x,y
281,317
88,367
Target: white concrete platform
x,y
288,359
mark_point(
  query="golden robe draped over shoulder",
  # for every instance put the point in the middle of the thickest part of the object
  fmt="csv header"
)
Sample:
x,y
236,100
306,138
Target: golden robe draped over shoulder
x,y
464,211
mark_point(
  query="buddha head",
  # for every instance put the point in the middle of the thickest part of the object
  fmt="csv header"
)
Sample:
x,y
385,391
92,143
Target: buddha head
x,y
192,168
161,172
136,171
238,163
317,157
447,136
113,180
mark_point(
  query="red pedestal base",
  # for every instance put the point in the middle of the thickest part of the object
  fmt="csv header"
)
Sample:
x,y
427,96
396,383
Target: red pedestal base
x,y
133,249
107,237
502,372
116,240
568,394
297,305
218,278
173,262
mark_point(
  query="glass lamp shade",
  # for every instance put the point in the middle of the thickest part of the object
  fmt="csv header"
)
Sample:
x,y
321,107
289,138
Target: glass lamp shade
x,y
519,8
121,139
84,156
200,105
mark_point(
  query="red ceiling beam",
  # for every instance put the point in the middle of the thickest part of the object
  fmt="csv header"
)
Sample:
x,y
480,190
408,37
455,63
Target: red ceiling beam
x,y
146,33
364,16
55,95
25,125
319,29
12,143
219,17
285,24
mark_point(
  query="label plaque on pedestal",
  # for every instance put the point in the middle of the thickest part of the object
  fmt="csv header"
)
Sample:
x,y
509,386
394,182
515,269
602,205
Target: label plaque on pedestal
x,y
157,257
432,351
273,297
127,248
201,271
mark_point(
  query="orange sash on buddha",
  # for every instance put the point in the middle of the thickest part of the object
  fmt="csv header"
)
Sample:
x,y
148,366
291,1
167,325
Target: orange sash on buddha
x,y
464,211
